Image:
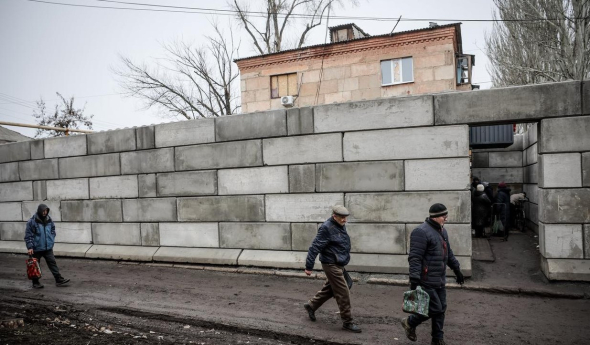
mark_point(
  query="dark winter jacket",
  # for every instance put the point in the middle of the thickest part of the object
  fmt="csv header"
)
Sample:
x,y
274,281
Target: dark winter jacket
x,y
480,209
503,197
331,243
430,253
40,231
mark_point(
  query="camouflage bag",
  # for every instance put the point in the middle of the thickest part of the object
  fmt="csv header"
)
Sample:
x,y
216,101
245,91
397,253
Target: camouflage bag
x,y
416,302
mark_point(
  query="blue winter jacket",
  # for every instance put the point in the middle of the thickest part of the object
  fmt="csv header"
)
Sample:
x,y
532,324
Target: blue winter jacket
x,y
39,235
332,243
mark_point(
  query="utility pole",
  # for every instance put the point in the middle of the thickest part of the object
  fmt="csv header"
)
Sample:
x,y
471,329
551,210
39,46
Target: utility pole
x,y
67,130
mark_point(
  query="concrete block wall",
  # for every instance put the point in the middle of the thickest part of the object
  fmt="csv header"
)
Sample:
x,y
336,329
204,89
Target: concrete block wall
x,y
530,163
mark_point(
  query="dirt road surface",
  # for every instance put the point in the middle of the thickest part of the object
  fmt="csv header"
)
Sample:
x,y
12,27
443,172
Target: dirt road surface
x,y
139,304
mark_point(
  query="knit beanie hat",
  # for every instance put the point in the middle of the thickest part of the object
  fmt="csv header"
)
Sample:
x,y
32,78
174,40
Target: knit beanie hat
x,y
502,185
437,210
480,187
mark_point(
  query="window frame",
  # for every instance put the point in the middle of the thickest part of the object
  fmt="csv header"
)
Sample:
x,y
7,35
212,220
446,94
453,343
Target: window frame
x,y
287,76
400,59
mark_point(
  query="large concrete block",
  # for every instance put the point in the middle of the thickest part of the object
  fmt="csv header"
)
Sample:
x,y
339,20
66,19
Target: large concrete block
x,y
68,232
217,156
378,263
16,191
531,173
497,175
111,141
301,207
189,235
532,192
37,151
129,253
72,189
250,126
147,185
303,149
406,207
564,205
45,169
377,238
149,161
150,234
532,213
275,236
114,187
39,190
150,210
15,152
508,104
566,269
72,145
185,133
90,166
145,138
565,134
531,134
302,178
13,247
9,172
480,159
376,114
210,256
459,237
407,143
30,208
121,234
437,174
10,211
560,170
12,231
273,258
302,234
587,241
300,121
506,159
562,241
360,177
264,180
91,211
187,183
531,155
74,250
586,169
586,97
243,208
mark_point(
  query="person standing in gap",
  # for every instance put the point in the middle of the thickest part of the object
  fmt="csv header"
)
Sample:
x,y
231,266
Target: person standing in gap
x,y
39,238
332,243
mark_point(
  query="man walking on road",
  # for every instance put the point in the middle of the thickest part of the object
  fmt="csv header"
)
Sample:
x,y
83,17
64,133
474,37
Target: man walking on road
x,y
430,253
39,237
333,245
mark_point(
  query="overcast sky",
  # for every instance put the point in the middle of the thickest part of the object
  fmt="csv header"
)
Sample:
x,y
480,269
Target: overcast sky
x,y
48,48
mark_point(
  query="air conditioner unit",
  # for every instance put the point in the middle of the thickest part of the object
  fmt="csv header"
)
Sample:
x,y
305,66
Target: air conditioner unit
x,y
287,101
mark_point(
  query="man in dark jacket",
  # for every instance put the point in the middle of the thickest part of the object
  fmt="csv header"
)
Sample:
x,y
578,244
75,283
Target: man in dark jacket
x,y
503,198
332,243
39,237
480,210
430,253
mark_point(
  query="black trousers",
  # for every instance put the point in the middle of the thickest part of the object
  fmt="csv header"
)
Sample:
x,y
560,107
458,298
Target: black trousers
x,y
436,311
51,263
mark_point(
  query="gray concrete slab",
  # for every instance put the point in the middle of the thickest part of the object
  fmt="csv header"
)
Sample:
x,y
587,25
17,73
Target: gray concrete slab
x,y
91,211
10,211
73,250
303,149
121,234
531,174
71,232
565,135
302,178
378,263
566,269
406,207
9,172
39,190
145,138
72,145
480,159
532,213
302,234
216,156
189,235
185,133
560,170
150,234
128,253
497,175
437,174
265,180
114,187
187,183
150,210
148,161
508,104
407,143
90,166
531,134
586,97
274,258
564,206
111,141
562,241
532,192
506,159
16,191
300,121
71,189
37,151
12,231
377,238
30,208
212,256
587,241
301,208
15,152
264,124
44,169
586,169
13,247
532,156
243,208
275,236
147,185
360,176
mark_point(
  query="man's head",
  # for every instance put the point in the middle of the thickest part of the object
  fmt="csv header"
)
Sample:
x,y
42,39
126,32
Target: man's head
x,y
502,184
340,214
42,211
438,213
480,188
475,180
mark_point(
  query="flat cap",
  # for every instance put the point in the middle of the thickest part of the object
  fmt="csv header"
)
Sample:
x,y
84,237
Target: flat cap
x,y
340,210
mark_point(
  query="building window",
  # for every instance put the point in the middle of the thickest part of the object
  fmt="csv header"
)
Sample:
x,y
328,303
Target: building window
x,y
397,71
283,85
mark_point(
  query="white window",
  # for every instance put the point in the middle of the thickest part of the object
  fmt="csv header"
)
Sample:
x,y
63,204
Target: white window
x,y
397,71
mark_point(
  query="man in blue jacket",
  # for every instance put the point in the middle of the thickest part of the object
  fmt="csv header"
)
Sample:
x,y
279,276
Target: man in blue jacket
x,y
39,237
430,253
332,243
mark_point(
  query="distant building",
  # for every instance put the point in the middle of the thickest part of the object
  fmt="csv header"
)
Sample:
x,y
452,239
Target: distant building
x,y
8,136
356,66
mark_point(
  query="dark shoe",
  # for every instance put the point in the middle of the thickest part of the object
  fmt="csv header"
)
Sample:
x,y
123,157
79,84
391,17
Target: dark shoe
x,y
410,331
437,342
37,285
310,311
349,326
61,282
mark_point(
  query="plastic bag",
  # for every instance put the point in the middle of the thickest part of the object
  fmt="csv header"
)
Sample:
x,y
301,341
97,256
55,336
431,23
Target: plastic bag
x,y
498,227
33,268
416,302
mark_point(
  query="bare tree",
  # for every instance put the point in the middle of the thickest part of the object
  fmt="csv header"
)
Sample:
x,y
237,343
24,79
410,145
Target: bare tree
x,y
268,35
192,83
64,116
539,41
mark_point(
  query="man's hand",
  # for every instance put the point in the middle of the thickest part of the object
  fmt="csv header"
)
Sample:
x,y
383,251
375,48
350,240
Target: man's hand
x,y
308,272
30,252
414,283
459,277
